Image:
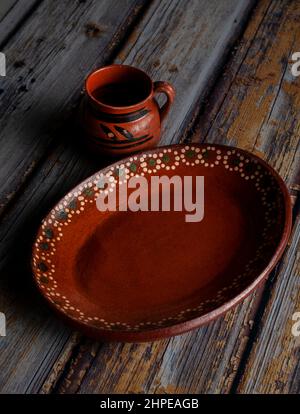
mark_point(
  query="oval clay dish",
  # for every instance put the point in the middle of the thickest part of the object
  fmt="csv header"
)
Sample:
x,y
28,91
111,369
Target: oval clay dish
x,y
139,276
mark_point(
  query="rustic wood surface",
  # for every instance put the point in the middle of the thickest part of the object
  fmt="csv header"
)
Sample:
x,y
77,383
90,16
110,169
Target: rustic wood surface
x,y
12,14
35,338
273,363
230,63
48,59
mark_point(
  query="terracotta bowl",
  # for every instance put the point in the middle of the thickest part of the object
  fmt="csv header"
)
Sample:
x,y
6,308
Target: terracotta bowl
x,y
139,276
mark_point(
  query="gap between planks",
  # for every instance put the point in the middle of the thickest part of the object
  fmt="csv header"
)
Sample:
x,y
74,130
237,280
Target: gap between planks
x,y
15,17
125,21
68,376
28,165
278,15
23,66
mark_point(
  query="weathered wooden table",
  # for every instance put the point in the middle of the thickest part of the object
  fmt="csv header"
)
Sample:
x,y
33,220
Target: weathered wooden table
x,y
230,62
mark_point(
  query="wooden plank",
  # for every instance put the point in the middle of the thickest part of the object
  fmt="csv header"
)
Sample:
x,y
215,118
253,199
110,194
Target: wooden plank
x,y
258,108
5,7
12,14
179,365
185,43
48,60
207,360
50,43
141,44
66,164
273,364
273,133
266,121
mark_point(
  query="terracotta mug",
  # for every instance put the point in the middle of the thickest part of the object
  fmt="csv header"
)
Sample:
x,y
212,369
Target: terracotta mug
x,y
120,113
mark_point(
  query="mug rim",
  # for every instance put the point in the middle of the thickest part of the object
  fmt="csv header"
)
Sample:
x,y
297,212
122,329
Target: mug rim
x,y
107,67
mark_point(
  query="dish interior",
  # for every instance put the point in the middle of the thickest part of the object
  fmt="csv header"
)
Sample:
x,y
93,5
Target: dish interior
x,y
141,264
142,270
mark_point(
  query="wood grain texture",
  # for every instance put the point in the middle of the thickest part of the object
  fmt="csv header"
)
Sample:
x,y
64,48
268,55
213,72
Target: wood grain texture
x,y
5,6
260,109
257,108
66,164
166,368
182,364
207,360
273,364
202,361
48,45
48,60
12,15
266,121
185,42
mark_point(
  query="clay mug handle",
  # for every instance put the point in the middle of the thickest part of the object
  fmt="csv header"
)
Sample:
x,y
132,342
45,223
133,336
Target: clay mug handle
x,y
169,91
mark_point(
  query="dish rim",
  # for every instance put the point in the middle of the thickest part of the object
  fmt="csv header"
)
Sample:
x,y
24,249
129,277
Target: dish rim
x,y
195,322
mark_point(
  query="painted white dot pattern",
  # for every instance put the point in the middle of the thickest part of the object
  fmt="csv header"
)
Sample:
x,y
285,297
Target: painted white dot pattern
x,y
167,159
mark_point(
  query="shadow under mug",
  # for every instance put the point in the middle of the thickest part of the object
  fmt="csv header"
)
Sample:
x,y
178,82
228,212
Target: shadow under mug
x,y
120,114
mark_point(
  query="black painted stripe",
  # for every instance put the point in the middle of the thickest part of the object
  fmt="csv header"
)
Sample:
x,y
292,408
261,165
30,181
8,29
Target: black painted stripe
x,y
115,144
119,142
124,132
108,132
118,118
